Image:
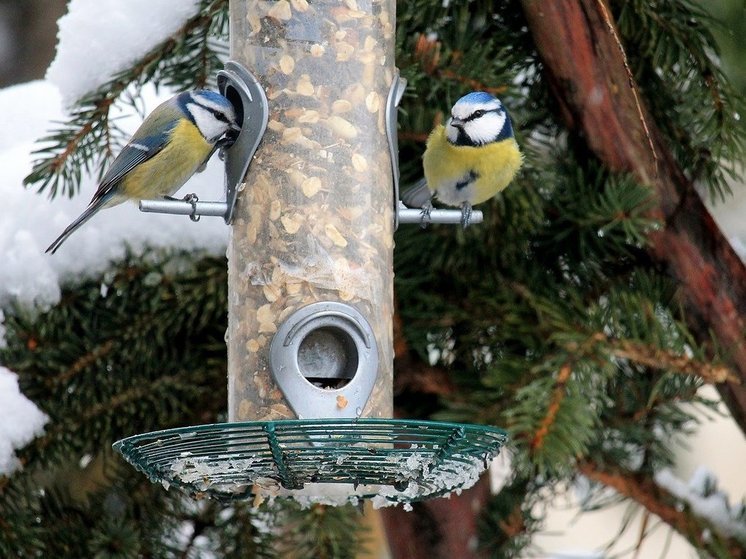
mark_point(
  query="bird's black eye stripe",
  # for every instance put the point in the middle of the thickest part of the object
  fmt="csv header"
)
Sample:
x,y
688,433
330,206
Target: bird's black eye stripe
x,y
220,116
214,112
480,113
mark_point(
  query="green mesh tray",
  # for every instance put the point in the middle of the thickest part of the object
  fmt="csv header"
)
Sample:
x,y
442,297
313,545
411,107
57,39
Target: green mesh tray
x,y
318,461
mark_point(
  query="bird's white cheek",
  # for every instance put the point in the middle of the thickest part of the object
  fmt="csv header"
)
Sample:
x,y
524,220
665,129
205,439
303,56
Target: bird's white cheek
x,y
485,129
451,132
210,127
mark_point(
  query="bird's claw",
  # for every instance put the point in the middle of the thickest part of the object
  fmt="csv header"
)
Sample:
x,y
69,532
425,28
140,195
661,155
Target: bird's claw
x,y
193,199
466,214
425,215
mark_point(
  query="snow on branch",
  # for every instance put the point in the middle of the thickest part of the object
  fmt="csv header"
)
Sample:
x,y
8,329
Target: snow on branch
x,y
20,421
702,496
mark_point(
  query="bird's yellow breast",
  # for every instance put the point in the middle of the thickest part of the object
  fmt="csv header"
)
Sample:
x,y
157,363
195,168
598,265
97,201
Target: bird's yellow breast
x,y
447,166
167,171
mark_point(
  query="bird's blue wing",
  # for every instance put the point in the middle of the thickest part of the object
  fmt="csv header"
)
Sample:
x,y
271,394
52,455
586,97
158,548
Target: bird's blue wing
x,y
137,151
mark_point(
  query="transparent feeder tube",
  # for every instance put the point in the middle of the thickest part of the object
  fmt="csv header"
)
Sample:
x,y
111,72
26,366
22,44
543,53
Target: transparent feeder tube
x,y
313,221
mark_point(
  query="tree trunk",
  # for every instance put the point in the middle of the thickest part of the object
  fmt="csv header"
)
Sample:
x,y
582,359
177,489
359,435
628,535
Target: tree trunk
x,y
438,528
586,71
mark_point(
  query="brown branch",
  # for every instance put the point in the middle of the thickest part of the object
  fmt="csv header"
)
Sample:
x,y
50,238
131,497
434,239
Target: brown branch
x,y
558,395
640,488
411,374
427,51
419,137
586,74
514,524
630,77
82,363
654,357
101,112
657,358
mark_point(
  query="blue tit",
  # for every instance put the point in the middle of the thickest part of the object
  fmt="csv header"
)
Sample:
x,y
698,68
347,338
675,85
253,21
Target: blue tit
x,y
470,159
173,143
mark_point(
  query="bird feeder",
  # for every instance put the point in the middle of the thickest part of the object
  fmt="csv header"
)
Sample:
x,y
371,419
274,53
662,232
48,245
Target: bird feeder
x,y
312,200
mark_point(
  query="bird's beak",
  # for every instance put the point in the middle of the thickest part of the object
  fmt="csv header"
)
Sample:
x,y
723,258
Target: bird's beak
x,y
233,132
456,122
231,135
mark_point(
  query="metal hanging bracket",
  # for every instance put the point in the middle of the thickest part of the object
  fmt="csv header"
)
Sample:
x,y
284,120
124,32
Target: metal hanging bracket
x,y
242,89
445,217
396,92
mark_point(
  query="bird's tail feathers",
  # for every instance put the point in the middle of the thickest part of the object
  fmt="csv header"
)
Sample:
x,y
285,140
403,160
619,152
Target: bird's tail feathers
x,y
418,195
85,216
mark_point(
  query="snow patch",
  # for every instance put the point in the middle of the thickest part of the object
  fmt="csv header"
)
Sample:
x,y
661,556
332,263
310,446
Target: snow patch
x,y
705,500
99,38
20,421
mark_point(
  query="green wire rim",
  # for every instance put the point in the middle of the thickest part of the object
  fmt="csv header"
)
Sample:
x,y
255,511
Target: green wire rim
x,y
400,460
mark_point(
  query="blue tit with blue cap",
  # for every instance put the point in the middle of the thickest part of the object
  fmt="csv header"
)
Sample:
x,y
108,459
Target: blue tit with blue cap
x,y
175,141
470,159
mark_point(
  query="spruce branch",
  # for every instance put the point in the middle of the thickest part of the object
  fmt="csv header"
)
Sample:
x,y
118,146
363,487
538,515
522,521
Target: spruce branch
x,y
130,360
657,358
82,363
676,57
412,374
642,489
653,357
428,53
58,430
690,246
321,532
558,395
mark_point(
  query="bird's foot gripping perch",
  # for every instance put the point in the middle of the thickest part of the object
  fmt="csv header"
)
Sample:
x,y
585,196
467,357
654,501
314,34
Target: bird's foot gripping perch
x,y
190,199
425,218
193,199
466,212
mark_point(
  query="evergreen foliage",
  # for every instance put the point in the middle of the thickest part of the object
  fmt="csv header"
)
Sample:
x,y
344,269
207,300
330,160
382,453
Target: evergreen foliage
x,y
550,316
676,64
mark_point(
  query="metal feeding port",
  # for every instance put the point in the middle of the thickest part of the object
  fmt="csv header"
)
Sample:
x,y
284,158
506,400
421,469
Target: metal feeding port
x,y
387,460
324,358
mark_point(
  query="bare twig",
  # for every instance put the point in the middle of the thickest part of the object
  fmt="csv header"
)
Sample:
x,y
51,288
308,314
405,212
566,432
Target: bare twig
x,y
660,502
630,78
